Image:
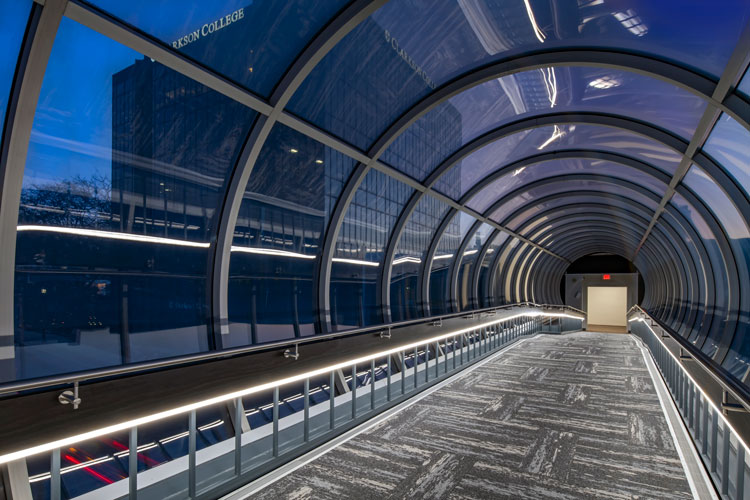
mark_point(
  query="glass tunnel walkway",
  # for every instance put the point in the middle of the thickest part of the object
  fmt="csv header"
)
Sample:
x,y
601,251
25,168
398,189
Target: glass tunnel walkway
x,y
233,231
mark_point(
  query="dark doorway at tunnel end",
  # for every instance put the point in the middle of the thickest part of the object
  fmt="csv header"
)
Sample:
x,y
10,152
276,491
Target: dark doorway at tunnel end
x,y
603,263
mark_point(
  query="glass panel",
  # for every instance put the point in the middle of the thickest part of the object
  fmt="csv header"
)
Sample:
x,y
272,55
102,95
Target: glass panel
x,y
716,312
532,173
125,172
12,26
554,138
736,231
485,272
360,250
729,144
744,85
510,278
572,187
525,215
498,289
291,192
408,48
252,43
477,240
441,263
619,218
410,253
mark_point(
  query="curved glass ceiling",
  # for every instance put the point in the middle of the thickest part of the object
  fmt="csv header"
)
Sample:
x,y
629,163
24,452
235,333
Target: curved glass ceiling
x,y
531,173
552,138
170,200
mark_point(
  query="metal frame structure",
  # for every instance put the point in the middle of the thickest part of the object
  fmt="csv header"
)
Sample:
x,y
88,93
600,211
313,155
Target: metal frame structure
x,y
719,95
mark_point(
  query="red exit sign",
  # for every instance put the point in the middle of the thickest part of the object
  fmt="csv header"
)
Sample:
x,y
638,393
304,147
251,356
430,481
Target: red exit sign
x,y
606,276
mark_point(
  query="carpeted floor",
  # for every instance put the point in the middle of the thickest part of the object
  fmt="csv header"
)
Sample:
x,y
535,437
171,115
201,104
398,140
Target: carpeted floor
x,y
572,416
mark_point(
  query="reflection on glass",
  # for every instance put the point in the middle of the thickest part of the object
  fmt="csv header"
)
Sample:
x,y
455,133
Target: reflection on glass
x,y
409,256
717,312
735,228
467,263
290,195
484,294
125,173
13,18
744,86
407,49
517,178
455,232
729,145
575,190
252,42
360,250
550,139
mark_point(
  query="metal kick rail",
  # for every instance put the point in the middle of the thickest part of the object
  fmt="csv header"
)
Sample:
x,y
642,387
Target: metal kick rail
x,y
101,373
377,383
720,446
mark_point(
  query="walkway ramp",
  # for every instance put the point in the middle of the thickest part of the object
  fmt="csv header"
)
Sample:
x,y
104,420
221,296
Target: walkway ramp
x,y
570,416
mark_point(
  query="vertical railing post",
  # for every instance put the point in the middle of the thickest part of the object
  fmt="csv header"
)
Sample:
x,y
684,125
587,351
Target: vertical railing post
x,y
275,436
725,460
306,415
739,478
437,359
426,363
239,414
331,402
372,384
416,366
54,471
192,435
354,391
403,372
133,463
388,379
714,438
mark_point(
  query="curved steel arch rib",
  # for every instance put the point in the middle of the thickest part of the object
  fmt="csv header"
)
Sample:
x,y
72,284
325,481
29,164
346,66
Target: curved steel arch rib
x,y
609,120
680,76
34,54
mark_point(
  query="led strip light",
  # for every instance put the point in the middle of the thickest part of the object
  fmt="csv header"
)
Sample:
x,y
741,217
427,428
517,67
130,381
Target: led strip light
x,y
111,429
705,396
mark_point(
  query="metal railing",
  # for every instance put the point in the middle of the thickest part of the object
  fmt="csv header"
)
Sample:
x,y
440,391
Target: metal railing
x,y
298,424
75,378
722,449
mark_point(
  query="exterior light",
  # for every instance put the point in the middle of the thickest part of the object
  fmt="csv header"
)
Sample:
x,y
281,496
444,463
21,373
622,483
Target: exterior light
x,y
293,151
319,162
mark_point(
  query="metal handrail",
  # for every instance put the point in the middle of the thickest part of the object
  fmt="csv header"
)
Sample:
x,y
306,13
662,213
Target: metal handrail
x,y
721,376
146,366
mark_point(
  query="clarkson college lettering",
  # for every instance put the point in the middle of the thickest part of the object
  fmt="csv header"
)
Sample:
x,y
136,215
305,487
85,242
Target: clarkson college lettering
x,y
209,28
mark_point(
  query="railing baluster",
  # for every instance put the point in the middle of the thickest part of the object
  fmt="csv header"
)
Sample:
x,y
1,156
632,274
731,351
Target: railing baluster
x,y
416,365
306,415
354,391
426,363
372,384
739,478
437,359
403,372
714,437
54,471
275,421
388,379
725,460
332,403
192,435
133,463
239,414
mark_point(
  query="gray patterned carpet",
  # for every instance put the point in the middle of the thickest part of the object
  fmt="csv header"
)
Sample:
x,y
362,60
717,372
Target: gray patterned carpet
x,y
572,416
